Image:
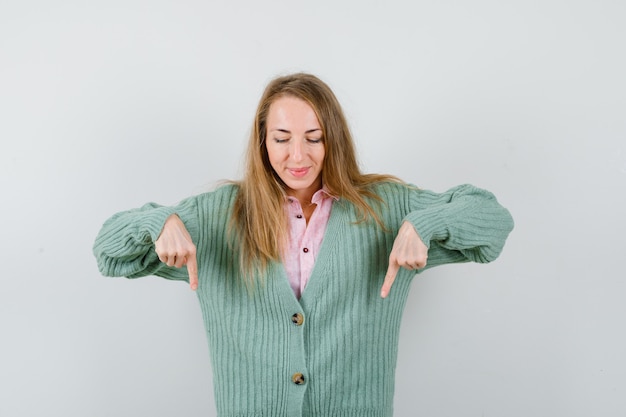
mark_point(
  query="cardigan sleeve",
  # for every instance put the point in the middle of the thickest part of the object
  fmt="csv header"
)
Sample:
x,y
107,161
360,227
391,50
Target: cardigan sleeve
x,y
124,247
463,224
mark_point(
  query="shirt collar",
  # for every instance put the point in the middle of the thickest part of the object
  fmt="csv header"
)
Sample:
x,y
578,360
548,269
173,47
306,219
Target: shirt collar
x,y
319,196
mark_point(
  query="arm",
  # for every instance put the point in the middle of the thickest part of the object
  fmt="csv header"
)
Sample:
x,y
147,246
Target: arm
x,y
463,224
125,246
464,221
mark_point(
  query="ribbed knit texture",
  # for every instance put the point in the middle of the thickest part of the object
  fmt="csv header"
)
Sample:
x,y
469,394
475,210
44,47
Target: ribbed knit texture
x,y
347,346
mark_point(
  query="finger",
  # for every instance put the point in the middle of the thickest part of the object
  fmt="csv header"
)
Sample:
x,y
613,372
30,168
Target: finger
x,y
390,277
421,264
192,270
180,261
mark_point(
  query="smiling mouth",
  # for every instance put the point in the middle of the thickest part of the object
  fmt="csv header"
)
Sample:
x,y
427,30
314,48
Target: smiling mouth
x,y
298,172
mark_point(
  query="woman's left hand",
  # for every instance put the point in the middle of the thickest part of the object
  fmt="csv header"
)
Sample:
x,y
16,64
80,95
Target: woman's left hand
x,y
408,252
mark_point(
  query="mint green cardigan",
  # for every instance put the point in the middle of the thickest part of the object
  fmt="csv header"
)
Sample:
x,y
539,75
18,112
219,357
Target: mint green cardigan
x,y
333,352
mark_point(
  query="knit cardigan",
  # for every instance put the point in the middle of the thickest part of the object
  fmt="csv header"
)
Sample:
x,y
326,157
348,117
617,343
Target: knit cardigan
x,y
332,352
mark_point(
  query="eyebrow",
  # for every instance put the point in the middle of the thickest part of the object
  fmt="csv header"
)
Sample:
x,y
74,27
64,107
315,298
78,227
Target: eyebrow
x,y
287,131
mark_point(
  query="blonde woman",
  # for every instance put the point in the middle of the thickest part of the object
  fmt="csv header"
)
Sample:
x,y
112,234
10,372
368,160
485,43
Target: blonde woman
x,y
303,267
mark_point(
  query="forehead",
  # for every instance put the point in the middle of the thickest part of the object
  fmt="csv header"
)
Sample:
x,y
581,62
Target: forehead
x,y
292,111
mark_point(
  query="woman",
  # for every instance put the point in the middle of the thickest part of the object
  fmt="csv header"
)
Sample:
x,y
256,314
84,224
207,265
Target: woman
x,y
294,264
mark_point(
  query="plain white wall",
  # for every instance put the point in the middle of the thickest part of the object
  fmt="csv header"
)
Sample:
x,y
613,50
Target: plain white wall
x,y
105,105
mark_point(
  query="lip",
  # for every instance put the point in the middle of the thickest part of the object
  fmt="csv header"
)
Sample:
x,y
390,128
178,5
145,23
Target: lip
x,y
298,172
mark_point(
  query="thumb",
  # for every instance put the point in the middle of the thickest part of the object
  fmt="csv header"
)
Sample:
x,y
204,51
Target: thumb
x,y
390,277
192,270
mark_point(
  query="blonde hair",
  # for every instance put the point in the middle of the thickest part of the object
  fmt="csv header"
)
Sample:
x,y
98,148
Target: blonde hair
x,y
259,223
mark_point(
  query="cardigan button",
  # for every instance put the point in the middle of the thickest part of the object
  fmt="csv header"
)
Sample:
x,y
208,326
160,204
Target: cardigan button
x,y
297,378
297,319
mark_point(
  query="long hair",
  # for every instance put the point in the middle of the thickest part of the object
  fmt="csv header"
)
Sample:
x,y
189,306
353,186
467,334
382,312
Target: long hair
x,y
259,224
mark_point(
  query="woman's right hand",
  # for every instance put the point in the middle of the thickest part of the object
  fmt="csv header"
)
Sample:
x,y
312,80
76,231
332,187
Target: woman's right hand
x,y
175,248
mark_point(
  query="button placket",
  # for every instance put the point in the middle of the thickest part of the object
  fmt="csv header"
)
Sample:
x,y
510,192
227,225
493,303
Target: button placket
x,y
298,320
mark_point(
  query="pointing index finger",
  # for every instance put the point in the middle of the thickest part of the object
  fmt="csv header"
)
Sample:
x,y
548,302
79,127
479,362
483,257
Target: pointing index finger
x,y
390,277
192,270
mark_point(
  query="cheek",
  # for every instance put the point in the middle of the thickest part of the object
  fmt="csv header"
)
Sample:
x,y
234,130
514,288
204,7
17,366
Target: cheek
x,y
320,156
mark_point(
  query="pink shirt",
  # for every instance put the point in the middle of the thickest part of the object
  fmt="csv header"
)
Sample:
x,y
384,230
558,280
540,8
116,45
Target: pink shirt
x,y
305,240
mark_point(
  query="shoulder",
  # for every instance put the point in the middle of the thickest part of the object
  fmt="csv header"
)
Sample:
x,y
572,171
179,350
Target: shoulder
x,y
221,198
225,191
389,191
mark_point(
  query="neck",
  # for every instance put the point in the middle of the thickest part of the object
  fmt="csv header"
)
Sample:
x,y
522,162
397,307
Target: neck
x,y
304,196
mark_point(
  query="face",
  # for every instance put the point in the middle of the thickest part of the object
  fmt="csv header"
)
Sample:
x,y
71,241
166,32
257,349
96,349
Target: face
x,y
295,146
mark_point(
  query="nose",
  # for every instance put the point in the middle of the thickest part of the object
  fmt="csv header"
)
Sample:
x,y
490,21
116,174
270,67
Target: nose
x,y
297,150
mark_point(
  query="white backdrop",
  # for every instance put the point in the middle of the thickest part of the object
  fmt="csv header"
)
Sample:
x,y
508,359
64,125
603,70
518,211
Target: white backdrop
x,y
106,105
